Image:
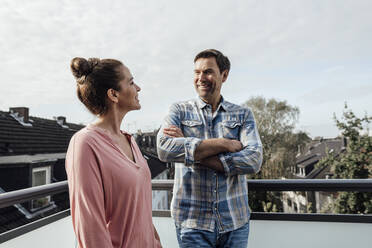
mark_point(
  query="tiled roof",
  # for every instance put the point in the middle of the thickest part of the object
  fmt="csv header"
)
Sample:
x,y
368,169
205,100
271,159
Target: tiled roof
x,y
44,136
317,150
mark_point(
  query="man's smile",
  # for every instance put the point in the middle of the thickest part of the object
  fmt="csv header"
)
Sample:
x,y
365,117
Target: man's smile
x,y
204,85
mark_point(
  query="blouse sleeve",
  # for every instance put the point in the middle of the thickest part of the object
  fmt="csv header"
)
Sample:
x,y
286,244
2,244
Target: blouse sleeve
x,y
86,195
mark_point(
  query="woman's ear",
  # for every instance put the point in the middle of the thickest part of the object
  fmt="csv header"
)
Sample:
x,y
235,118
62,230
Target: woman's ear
x,y
112,95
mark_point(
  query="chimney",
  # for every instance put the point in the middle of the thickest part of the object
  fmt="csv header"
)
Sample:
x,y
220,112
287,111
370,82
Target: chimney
x,y
61,120
22,112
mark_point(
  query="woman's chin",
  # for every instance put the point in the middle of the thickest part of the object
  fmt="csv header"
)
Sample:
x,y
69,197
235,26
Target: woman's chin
x,y
135,107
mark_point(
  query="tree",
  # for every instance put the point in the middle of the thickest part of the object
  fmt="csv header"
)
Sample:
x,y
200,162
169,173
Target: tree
x,y
273,116
276,121
354,163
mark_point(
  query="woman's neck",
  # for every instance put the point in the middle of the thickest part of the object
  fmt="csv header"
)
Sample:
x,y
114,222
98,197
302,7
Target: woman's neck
x,y
110,121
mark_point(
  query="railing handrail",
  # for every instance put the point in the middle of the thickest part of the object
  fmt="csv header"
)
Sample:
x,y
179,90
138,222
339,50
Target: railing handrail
x,y
360,185
23,195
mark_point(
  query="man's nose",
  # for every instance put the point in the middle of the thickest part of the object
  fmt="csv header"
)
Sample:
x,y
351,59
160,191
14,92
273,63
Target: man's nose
x,y
202,77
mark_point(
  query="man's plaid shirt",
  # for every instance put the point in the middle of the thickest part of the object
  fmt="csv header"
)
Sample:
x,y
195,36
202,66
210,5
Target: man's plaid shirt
x,y
203,198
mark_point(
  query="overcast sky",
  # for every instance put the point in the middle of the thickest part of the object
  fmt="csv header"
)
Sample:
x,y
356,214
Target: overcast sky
x,y
315,54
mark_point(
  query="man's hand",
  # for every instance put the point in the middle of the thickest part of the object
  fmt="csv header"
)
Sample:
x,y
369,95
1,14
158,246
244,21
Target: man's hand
x,y
233,145
173,132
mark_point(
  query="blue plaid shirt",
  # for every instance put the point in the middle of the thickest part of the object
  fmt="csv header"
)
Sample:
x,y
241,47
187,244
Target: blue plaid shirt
x,y
203,198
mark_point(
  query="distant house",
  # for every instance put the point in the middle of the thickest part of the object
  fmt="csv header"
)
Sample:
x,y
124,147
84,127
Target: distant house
x,y
306,168
32,153
315,151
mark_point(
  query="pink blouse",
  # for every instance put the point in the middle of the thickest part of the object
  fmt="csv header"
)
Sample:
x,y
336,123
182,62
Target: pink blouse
x,y
110,195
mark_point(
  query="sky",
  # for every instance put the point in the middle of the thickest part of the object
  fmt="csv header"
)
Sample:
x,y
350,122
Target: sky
x,y
316,54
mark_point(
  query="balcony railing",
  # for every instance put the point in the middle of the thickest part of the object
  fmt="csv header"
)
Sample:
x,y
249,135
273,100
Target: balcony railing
x,y
333,185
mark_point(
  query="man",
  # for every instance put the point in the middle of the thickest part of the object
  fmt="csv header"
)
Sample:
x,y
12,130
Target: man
x,y
216,144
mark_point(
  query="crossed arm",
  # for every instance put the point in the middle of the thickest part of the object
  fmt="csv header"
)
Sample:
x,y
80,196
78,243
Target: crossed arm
x,y
207,150
230,156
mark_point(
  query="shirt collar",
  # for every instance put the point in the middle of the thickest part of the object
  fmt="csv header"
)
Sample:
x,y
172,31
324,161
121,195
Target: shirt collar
x,y
201,104
223,103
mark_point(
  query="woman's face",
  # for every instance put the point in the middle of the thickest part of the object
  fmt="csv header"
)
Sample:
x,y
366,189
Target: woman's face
x,y
128,93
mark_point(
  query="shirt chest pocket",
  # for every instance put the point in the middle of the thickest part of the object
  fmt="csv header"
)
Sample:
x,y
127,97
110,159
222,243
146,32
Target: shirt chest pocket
x,y
231,129
192,128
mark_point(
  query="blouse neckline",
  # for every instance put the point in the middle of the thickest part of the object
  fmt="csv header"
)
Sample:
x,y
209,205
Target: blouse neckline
x,y
109,137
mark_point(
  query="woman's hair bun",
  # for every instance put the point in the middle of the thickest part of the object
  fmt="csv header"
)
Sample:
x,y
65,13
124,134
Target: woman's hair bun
x,y
82,67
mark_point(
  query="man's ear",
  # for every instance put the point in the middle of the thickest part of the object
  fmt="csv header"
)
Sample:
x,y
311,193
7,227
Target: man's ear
x,y
112,95
225,74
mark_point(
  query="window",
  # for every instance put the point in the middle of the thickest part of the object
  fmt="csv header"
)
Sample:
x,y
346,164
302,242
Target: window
x,y
302,208
40,176
289,203
302,172
328,176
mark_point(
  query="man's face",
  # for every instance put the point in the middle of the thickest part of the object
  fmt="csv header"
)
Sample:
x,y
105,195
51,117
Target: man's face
x,y
208,79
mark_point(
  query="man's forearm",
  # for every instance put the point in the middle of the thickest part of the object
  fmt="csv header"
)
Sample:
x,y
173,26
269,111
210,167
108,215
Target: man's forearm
x,y
210,147
202,150
213,163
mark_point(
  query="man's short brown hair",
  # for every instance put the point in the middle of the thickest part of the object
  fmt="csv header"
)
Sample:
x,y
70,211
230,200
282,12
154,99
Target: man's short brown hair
x,y
223,62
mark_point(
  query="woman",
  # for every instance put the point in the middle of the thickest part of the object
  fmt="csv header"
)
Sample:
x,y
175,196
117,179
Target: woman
x,y
108,178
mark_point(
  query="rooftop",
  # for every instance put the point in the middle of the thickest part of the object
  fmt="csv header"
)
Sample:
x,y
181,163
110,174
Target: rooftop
x,y
23,134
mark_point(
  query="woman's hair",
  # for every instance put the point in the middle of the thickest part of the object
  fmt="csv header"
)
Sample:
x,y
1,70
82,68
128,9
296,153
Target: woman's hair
x,y
94,77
